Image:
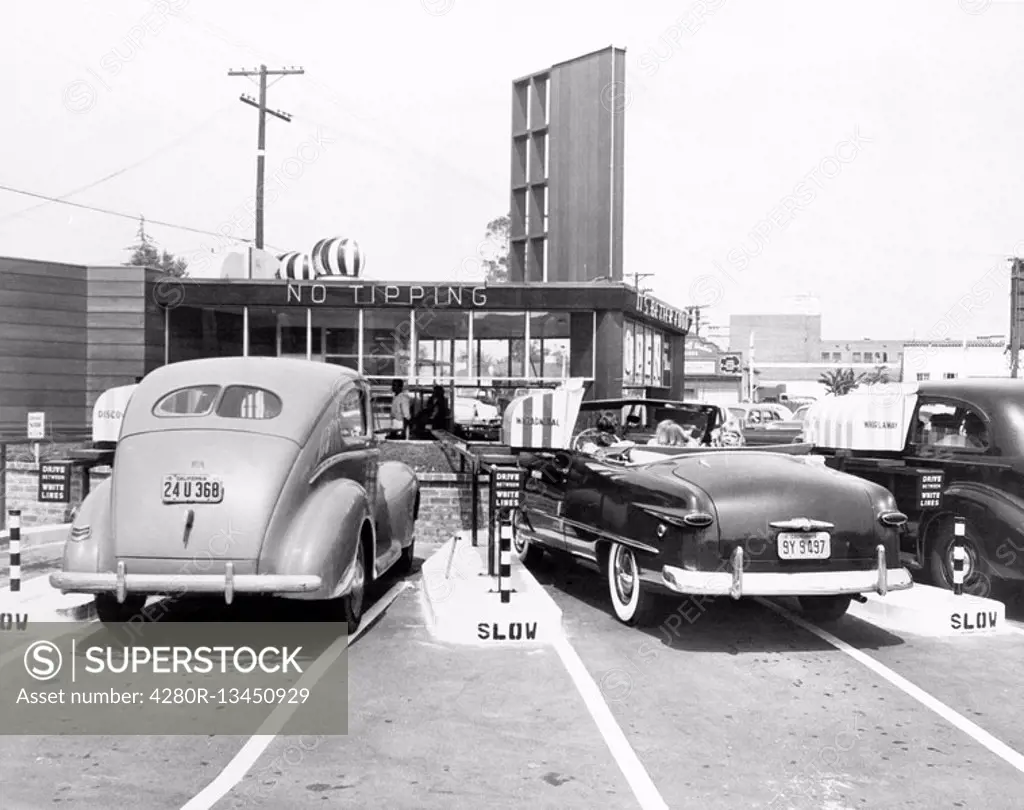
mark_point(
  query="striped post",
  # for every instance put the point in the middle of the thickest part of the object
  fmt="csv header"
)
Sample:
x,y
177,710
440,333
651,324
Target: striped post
x,y
959,555
14,549
505,561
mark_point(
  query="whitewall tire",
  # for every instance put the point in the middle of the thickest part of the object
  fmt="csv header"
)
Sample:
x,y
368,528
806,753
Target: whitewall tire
x,y
632,600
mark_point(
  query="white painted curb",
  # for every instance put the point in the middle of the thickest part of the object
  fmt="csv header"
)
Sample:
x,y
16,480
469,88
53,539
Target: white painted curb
x,y
463,606
928,611
44,603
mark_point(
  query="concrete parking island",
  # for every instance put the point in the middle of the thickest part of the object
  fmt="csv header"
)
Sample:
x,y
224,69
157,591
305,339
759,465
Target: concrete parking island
x,y
463,604
927,611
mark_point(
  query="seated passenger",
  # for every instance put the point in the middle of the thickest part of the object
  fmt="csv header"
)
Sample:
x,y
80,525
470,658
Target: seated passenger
x,y
594,439
975,432
669,434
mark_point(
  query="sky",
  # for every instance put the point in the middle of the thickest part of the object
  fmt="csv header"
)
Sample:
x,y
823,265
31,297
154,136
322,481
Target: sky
x,y
863,153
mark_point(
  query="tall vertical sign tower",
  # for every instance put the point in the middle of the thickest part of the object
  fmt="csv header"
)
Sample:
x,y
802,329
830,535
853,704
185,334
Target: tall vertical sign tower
x,y
568,126
1016,312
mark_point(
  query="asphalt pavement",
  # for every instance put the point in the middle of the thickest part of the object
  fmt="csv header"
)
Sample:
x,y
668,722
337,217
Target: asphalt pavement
x,y
736,705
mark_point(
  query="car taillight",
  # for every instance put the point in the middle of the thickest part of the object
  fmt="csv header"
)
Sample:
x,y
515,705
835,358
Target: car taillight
x,y
893,518
80,533
698,520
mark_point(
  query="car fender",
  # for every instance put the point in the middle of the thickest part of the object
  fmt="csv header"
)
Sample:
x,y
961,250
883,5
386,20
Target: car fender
x,y
93,521
398,500
995,517
321,539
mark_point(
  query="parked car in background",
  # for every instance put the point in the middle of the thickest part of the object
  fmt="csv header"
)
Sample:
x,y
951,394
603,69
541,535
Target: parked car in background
x,y
945,449
265,470
672,521
777,431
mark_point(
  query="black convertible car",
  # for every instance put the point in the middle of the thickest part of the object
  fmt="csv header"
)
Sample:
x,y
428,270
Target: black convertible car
x,y
704,520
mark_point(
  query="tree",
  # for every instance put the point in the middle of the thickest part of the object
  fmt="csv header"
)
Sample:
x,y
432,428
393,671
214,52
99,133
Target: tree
x,y
879,375
840,382
495,249
145,254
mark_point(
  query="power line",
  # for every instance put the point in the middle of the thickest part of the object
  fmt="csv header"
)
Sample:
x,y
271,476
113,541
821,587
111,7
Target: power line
x,y
166,147
133,217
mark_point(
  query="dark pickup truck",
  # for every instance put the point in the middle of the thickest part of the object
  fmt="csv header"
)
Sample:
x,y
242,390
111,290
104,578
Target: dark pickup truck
x,y
945,449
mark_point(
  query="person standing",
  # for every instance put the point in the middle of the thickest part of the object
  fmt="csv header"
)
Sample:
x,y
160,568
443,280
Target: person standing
x,y
438,409
401,410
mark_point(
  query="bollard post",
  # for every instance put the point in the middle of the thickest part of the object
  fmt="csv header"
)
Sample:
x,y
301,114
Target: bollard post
x,y
959,555
505,563
14,549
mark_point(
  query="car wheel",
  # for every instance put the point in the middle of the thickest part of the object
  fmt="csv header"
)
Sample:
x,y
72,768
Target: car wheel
x,y
352,602
940,559
825,608
632,600
529,554
110,611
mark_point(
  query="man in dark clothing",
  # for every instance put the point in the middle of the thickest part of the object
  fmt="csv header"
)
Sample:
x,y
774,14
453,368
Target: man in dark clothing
x,y
437,408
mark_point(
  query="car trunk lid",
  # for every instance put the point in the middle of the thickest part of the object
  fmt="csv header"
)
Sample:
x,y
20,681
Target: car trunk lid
x,y
765,498
187,494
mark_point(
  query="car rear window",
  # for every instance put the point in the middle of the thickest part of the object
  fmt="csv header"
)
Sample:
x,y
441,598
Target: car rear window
x,y
194,401
247,402
237,402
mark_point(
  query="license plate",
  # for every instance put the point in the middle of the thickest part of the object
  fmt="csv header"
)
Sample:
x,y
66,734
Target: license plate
x,y
192,489
804,546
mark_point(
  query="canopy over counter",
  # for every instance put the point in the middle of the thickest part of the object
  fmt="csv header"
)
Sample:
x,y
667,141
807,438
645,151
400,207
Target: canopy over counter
x,y
875,417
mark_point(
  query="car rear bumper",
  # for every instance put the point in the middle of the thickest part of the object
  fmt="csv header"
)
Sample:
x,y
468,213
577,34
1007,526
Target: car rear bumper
x,y
122,583
736,582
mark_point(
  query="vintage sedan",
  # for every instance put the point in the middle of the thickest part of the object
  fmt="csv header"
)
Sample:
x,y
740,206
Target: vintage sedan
x,y
244,475
662,521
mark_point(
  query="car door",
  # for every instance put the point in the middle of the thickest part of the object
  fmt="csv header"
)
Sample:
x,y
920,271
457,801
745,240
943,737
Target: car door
x,y
543,496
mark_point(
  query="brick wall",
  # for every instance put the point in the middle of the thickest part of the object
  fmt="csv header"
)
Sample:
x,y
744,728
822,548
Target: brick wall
x,y
446,506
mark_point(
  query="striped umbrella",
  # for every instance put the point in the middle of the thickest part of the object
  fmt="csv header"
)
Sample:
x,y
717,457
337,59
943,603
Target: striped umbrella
x,y
338,256
296,265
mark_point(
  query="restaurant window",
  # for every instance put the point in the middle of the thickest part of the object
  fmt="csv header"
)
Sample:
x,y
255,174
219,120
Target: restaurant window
x,y
499,349
657,353
442,344
666,369
386,342
339,332
856,357
628,364
293,334
837,357
549,345
949,376
884,356
921,377
825,356
262,332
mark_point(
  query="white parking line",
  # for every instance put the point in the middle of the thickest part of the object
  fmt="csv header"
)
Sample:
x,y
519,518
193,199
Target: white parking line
x,y
973,730
254,747
625,757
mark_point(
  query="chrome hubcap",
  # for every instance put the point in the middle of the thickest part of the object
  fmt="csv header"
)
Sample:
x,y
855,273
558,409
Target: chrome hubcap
x,y
624,570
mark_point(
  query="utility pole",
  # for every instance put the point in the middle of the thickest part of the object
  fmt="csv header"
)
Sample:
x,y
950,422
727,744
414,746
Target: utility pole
x,y
636,281
1016,273
261,143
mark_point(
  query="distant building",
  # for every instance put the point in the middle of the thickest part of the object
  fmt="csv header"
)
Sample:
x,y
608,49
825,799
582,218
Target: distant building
x,y
952,359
